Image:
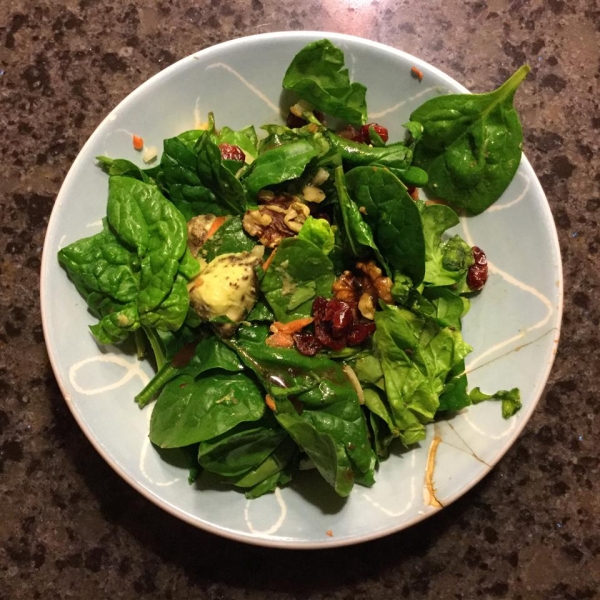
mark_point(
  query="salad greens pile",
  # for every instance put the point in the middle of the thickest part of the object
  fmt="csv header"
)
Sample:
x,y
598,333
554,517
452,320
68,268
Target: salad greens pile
x,y
302,305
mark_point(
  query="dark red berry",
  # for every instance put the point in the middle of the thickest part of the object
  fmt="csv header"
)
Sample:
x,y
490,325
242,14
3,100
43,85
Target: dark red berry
x,y
381,131
478,272
307,343
231,152
360,332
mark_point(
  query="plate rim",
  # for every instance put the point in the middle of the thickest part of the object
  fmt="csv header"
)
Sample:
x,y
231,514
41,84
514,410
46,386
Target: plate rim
x,y
48,255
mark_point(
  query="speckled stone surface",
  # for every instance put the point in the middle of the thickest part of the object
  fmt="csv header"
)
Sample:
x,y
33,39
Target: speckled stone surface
x,y
70,528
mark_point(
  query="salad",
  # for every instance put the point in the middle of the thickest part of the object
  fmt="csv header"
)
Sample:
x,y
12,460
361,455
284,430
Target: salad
x,y
299,296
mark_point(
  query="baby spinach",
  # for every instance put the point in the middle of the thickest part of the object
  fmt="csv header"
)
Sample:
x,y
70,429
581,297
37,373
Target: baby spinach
x,y
230,237
217,178
358,235
281,163
299,273
241,449
318,75
319,232
511,400
189,411
446,261
471,144
325,419
396,156
393,217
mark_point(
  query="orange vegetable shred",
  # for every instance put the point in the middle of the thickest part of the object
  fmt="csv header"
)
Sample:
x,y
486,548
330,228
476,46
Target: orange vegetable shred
x,y
416,73
269,260
138,143
329,533
270,402
215,226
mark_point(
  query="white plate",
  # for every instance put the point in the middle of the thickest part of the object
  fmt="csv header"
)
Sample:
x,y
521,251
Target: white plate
x,y
513,325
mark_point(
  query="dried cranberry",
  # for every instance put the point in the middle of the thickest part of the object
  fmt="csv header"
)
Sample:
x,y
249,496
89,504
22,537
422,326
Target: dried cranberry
x,y
478,272
342,320
365,133
294,122
231,152
307,343
360,332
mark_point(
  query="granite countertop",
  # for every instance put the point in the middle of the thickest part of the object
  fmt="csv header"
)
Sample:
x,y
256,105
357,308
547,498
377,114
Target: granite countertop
x,y
71,528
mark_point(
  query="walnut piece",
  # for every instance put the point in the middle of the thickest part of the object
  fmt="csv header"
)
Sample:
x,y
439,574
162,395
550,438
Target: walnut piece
x,y
277,218
364,288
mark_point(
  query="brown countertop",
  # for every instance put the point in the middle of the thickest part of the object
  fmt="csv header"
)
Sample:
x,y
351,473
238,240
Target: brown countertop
x,y
71,528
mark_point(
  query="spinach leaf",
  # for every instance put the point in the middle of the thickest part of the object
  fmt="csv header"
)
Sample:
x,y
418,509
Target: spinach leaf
x,y
416,355
145,220
189,411
229,238
325,418
265,477
246,139
511,400
212,353
124,167
107,275
170,314
355,154
217,178
358,234
281,163
269,484
102,264
471,144
441,304
180,178
454,396
299,273
240,449
188,265
393,217
446,261
318,75
319,232
260,312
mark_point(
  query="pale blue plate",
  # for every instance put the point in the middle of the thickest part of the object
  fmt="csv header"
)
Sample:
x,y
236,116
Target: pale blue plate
x,y
513,325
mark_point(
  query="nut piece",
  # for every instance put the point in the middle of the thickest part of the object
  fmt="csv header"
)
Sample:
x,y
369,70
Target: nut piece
x,y
312,193
383,285
198,228
277,218
364,288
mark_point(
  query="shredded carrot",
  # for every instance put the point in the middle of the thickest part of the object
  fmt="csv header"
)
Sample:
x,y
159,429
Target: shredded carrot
x,y
269,260
138,143
329,533
279,339
416,73
270,402
293,326
215,226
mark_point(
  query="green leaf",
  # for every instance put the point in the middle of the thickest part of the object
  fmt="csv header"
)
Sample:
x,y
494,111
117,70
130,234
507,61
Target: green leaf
x,y
319,232
188,265
217,178
229,238
358,235
511,400
393,216
355,154
124,167
240,450
318,75
281,163
471,144
446,261
325,419
145,220
299,267
170,314
272,466
189,411
246,139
